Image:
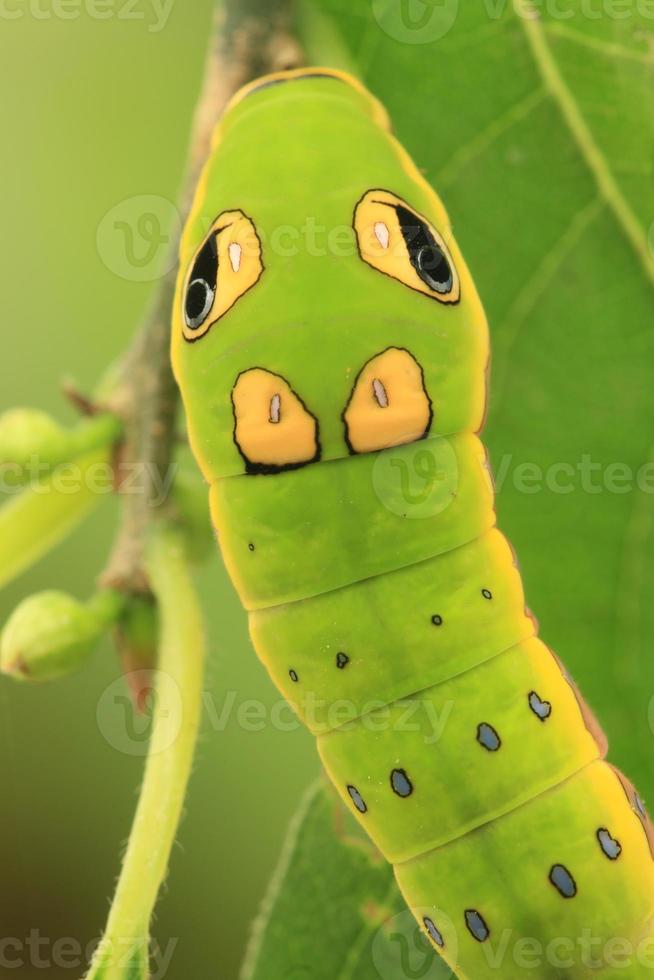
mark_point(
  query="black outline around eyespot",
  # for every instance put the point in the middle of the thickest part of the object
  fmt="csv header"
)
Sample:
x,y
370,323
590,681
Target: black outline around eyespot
x,y
484,725
469,913
439,297
542,718
350,449
402,773
216,231
270,469
568,898
354,794
429,922
598,834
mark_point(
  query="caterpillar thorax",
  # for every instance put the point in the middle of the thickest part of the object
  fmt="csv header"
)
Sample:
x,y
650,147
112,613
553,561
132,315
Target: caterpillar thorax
x,y
316,256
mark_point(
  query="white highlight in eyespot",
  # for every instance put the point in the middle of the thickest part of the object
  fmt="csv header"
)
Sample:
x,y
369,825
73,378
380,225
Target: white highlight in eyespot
x,y
235,252
382,234
381,396
275,409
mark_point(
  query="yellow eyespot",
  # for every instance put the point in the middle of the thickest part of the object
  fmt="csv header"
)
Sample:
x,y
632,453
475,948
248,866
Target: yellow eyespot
x,y
273,428
389,405
227,265
396,240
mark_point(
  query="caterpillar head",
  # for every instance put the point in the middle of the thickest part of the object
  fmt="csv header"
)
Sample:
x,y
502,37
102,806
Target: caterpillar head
x,y
322,306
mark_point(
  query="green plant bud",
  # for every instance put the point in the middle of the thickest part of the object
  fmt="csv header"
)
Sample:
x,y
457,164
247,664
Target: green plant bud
x,y
27,433
52,634
32,443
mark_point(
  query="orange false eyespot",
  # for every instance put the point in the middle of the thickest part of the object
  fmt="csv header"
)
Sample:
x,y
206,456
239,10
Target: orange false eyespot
x,y
397,241
273,428
389,405
227,264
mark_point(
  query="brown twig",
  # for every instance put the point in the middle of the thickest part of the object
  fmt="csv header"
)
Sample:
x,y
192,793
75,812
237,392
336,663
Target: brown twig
x,y
249,38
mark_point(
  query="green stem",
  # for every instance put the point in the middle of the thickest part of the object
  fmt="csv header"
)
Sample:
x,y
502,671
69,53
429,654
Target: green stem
x,y
250,38
94,433
107,605
321,39
178,690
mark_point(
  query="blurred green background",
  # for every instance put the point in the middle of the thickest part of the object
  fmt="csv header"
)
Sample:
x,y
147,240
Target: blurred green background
x,y
99,113
96,113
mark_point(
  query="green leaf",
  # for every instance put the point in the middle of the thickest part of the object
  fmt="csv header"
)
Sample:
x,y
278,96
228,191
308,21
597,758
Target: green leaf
x,y
536,128
340,918
39,516
538,132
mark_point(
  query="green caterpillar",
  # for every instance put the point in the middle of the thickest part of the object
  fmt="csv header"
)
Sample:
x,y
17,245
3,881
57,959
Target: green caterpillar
x,y
332,352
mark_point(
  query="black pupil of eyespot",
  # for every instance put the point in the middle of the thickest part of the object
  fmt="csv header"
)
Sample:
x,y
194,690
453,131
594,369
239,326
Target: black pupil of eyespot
x,y
202,284
432,261
196,299
427,257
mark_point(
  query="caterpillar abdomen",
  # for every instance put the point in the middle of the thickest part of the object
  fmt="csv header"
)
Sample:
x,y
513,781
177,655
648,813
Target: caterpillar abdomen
x,y
472,749
449,729
343,645
563,882
333,402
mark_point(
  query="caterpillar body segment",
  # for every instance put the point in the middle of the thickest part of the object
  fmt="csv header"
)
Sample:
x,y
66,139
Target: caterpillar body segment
x,y
402,610
363,515
495,725
541,898
331,351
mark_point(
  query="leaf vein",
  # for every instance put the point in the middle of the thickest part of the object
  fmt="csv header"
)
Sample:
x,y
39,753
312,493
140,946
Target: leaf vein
x,y
582,134
533,289
354,953
482,141
611,50
632,573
